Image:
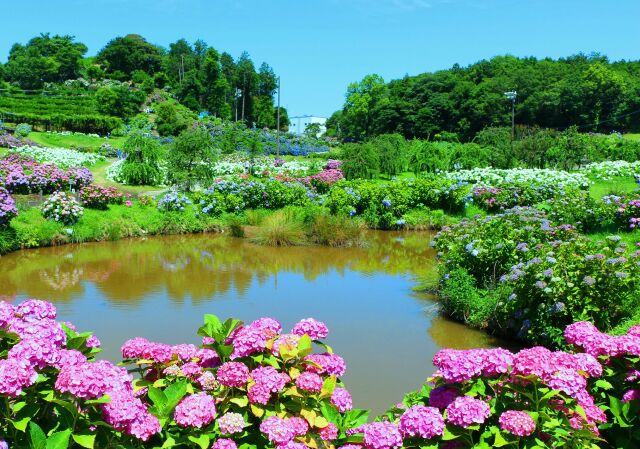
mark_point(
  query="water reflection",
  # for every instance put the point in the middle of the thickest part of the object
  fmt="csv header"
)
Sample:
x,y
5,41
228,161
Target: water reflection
x,y
160,288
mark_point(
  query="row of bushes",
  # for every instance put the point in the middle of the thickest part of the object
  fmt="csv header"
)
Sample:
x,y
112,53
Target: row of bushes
x,y
391,154
256,386
521,275
89,123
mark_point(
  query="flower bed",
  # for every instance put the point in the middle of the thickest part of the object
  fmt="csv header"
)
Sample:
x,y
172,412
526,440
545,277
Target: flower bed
x,y
490,177
253,386
23,175
61,157
607,170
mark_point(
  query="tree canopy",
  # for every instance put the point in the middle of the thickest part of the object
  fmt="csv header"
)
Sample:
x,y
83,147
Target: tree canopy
x,y
588,91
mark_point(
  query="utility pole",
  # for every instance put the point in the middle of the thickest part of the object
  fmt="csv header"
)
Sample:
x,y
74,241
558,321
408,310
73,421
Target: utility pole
x,y
512,95
244,91
278,121
181,71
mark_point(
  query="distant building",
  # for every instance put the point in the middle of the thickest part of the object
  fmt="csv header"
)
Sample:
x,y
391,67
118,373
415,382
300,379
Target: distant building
x,y
297,125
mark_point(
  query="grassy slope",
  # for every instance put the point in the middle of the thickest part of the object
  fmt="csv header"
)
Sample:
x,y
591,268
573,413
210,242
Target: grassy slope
x,y
74,140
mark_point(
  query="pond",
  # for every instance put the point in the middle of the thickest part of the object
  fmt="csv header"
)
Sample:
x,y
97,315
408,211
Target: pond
x,y
160,288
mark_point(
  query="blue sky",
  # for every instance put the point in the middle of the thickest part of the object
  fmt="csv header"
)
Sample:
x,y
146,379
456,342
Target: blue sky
x,y
320,46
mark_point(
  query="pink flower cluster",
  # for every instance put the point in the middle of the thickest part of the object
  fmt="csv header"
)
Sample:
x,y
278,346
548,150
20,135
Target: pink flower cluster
x,y
421,421
586,336
466,411
197,410
518,423
98,197
42,347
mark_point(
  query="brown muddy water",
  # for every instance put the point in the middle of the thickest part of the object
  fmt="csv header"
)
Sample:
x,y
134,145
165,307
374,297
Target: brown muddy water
x,y
160,288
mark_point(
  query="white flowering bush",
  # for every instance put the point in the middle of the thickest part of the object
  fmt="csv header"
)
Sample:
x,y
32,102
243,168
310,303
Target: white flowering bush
x,y
62,157
520,176
607,170
114,172
62,207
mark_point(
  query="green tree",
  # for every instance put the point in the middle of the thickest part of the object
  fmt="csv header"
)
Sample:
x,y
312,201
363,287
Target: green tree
x,y
359,160
362,99
129,53
142,166
118,101
44,59
190,161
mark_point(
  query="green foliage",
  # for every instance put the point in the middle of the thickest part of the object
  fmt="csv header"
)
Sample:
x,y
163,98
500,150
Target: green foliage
x,y
119,101
172,119
189,162
22,130
143,158
130,53
44,59
359,161
464,302
583,90
281,228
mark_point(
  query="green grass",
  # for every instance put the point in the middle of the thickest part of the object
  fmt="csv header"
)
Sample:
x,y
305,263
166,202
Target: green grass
x,y
632,136
617,186
74,140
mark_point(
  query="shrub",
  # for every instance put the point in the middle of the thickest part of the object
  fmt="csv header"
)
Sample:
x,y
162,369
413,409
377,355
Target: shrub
x,y
8,208
62,207
173,202
23,130
98,197
21,174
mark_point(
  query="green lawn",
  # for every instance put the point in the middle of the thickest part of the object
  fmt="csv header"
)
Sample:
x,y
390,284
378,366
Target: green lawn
x,y
632,136
617,186
74,140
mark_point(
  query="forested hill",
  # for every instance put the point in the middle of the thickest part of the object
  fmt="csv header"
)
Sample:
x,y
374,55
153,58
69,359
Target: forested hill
x,y
587,91
195,74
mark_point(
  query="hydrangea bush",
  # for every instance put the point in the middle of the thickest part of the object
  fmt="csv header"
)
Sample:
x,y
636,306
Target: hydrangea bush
x,y
173,202
23,175
62,207
252,386
8,208
539,275
98,197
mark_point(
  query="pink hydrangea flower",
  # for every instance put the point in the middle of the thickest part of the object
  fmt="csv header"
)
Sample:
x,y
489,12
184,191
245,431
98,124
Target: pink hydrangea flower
x,y
329,432
208,381
7,313
93,342
300,425
317,330
341,398
441,397
518,423
185,352
35,310
277,430
231,423
269,326
196,410
270,378
92,380
224,443
191,369
311,382
43,329
233,374
259,394
421,421
466,411
382,435
38,353
331,364
458,366
14,376
631,395
247,341
68,357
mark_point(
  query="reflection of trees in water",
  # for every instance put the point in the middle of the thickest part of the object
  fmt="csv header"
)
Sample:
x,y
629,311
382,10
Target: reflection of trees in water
x,y
200,266
62,278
